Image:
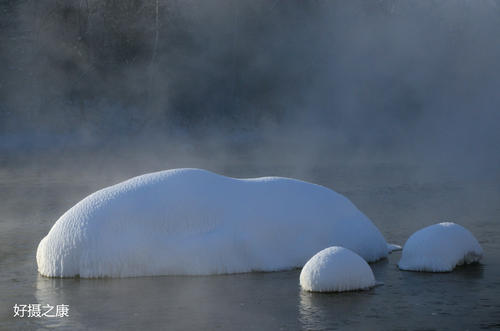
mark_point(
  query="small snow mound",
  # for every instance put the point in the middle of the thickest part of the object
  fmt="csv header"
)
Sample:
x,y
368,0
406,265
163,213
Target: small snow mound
x,y
336,269
440,248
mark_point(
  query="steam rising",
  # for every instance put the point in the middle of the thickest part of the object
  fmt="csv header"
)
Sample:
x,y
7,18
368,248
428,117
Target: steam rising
x,y
293,81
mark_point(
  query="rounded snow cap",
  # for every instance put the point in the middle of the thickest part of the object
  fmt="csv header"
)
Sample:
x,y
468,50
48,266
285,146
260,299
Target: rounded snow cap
x,y
336,269
440,248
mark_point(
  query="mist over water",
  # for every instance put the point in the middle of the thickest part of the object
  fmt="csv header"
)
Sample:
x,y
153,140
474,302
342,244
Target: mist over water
x,y
394,104
289,80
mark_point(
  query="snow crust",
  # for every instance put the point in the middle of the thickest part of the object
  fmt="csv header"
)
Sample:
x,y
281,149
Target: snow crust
x,y
336,269
195,222
440,248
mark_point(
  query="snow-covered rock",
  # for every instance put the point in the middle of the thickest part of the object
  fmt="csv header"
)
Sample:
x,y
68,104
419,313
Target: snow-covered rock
x,y
336,269
440,248
192,221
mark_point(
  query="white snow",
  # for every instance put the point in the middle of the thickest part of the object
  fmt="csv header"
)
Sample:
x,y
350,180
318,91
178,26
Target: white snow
x,y
393,247
336,269
440,248
195,222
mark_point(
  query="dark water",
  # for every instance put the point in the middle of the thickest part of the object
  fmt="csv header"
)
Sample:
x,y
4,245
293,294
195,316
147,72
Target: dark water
x,y
399,200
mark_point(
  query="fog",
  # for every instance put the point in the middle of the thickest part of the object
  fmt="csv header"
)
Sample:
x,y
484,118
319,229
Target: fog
x,y
394,104
150,84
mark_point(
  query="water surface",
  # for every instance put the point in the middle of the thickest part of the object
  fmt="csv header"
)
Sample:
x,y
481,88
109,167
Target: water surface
x,y
34,194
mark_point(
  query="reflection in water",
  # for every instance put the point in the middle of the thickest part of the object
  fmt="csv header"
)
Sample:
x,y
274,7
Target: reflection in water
x,y
51,291
311,315
225,302
325,311
419,297
465,298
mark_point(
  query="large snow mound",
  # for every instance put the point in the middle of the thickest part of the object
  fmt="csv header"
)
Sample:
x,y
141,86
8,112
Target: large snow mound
x,y
440,248
336,269
195,222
